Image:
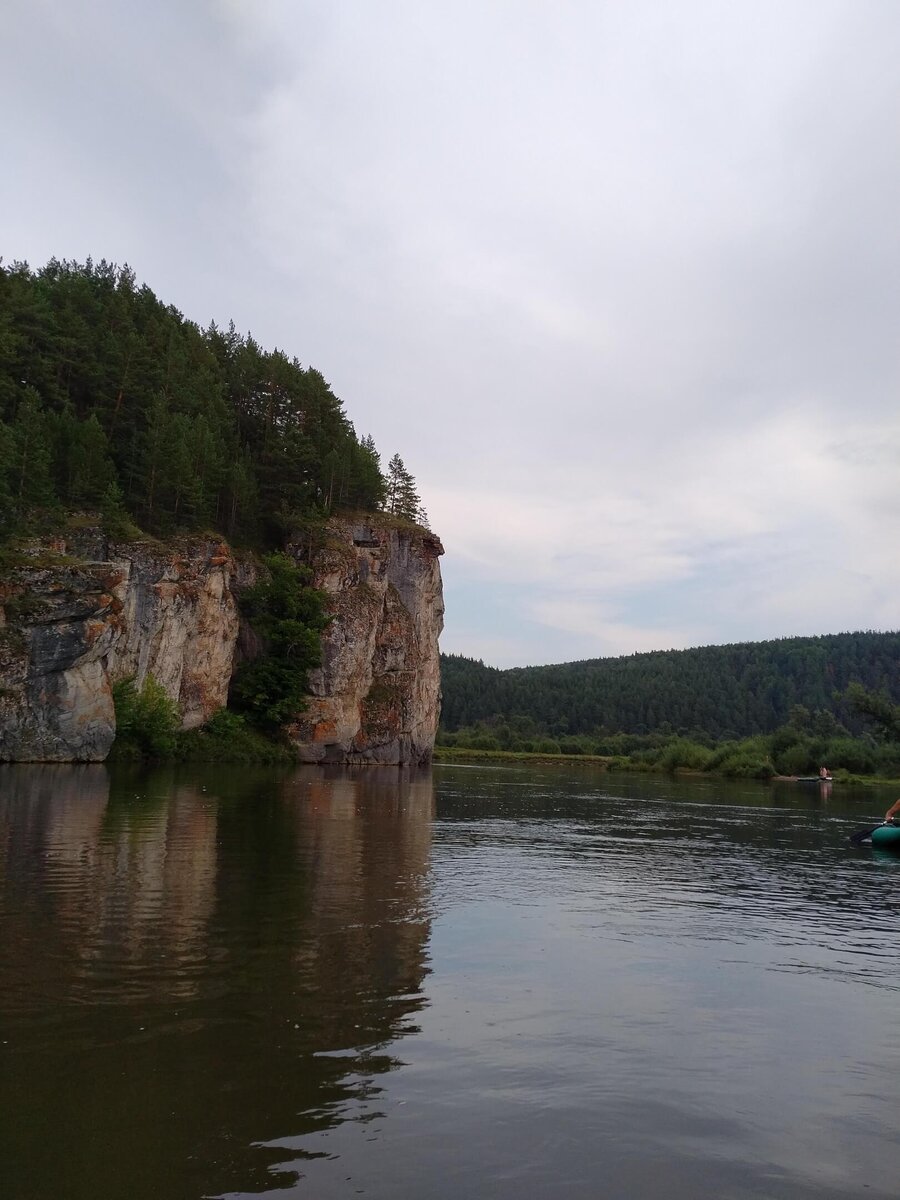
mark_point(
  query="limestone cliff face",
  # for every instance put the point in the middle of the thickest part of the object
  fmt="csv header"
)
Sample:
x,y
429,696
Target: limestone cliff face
x,y
56,624
179,623
79,613
88,613
376,697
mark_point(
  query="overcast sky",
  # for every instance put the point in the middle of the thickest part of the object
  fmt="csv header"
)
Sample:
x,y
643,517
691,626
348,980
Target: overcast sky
x,y
619,281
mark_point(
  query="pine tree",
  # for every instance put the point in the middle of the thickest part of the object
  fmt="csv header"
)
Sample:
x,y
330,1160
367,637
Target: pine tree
x,y
194,427
242,513
156,463
6,463
31,483
85,470
402,497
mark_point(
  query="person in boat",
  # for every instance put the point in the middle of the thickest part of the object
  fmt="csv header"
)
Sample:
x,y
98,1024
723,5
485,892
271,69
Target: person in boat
x,y
824,774
895,808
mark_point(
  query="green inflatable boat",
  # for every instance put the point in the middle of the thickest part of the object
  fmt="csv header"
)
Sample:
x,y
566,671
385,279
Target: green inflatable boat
x,y
886,836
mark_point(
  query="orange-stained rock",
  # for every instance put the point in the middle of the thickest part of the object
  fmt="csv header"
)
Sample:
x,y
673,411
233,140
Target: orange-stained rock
x,y
377,693
71,631
89,613
179,624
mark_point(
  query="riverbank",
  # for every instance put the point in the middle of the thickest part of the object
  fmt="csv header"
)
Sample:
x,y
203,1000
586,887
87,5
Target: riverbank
x,y
452,754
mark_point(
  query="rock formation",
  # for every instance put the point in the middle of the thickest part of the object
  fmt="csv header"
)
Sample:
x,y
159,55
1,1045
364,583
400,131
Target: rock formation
x,y
88,613
78,613
376,697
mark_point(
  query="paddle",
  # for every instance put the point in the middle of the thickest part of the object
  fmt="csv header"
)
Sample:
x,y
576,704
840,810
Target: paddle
x,y
860,835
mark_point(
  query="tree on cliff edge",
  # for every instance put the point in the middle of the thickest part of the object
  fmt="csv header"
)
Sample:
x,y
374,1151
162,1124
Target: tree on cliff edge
x,y
403,499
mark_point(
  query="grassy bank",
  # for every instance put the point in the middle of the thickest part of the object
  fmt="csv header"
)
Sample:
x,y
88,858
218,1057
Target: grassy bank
x,y
610,762
797,749
458,754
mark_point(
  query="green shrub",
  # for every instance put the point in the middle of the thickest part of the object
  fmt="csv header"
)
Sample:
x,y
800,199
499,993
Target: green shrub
x,y
799,759
722,752
147,721
747,764
887,761
640,762
646,758
853,754
686,754
483,741
227,737
289,616
546,746
783,738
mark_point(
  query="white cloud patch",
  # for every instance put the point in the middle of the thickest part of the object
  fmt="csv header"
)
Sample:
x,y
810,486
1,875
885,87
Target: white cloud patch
x,y
777,527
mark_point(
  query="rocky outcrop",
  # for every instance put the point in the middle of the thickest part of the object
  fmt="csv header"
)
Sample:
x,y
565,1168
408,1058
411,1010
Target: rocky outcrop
x,y
376,697
179,623
78,614
57,622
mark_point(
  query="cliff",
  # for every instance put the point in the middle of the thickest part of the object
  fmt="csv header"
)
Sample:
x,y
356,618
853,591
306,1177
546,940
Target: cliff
x,y
79,613
376,696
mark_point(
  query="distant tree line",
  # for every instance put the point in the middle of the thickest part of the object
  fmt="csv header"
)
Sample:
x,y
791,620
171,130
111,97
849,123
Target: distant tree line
x,y
801,746
718,692
111,400
854,732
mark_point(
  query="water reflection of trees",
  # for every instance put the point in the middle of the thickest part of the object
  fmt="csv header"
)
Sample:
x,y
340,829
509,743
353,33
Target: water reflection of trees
x,y
194,963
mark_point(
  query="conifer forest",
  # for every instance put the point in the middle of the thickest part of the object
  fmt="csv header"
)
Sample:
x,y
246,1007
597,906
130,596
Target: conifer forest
x,y
111,400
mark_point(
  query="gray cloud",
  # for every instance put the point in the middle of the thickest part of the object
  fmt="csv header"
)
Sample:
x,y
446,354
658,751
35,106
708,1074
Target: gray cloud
x,y
620,281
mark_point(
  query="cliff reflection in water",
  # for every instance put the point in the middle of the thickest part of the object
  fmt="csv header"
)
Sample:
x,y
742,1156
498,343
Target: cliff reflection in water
x,y
195,964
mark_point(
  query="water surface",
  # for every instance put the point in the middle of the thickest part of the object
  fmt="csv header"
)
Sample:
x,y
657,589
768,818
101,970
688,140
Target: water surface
x,y
477,982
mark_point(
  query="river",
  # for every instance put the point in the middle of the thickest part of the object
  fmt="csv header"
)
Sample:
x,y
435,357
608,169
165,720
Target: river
x,y
498,982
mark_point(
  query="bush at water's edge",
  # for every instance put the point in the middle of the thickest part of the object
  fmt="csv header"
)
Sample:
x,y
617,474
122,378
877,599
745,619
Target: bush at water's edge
x,y
728,761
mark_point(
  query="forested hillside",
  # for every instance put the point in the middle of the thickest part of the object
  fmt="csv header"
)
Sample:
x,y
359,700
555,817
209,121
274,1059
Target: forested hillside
x,y
720,691
112,400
